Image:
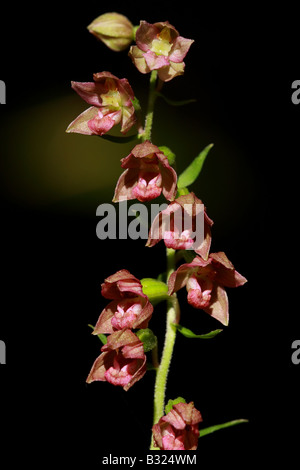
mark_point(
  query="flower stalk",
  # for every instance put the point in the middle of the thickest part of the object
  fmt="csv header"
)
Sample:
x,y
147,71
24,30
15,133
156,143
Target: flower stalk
x,y
150,111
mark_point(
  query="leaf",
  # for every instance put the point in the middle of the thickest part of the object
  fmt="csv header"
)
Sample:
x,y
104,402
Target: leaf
x,y
189,334
175,102
170,404
191,173
168,153
119,140
217,427
102,337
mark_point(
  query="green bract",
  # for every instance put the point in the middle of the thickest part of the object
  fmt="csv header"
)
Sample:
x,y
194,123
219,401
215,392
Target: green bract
x,y
191,173
168,153
155,290
101,336
217,427
189,334
148,339
171,403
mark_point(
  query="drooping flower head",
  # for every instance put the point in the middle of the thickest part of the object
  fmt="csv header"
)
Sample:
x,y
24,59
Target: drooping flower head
x,y
111,103
183,225
130,307
205,281
178,429
159,47
113,29
122,361
147,174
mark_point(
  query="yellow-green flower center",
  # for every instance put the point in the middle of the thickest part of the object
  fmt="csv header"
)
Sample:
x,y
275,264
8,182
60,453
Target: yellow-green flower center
x,y
111,99
162,45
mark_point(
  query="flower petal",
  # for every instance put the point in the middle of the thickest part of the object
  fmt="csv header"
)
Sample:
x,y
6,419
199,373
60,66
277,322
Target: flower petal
x,y
90,91
183,414
125,185
119,339
102,76
101,124
103,324
180,49
120,283
100,366
154,61
161,224
226,274
80,124
144,150
169,177
139,374
203,247
144,317
128,118
179,278
218,307
171,71
145,34
137,57
125,89
134,351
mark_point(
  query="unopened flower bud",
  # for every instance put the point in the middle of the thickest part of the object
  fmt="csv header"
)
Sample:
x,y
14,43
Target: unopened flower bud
x,y
114,29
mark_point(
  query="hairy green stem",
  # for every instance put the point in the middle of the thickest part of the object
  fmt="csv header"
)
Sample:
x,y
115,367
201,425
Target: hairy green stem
x,y
162,368
173,313
150,110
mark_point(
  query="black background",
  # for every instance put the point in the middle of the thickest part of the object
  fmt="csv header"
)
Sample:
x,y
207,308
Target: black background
x,y
240,69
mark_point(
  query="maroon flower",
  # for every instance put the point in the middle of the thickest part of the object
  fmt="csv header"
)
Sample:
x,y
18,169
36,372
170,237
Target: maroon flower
x,y
183,225
159,47
178,430
111,100
205,282
122,362
130,307
147,174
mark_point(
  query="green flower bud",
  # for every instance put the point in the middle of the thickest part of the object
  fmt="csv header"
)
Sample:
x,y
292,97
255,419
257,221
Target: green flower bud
x,y
114,29
148,338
